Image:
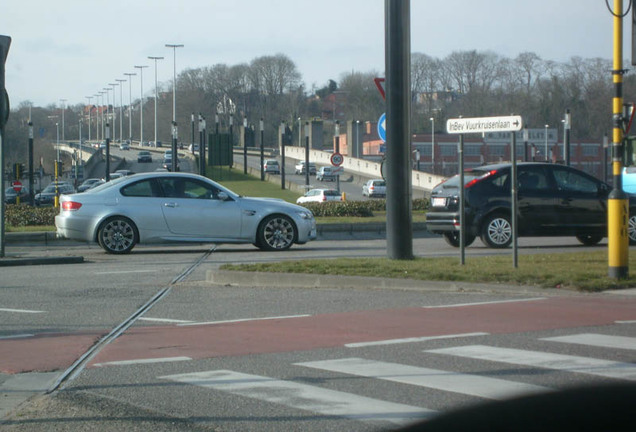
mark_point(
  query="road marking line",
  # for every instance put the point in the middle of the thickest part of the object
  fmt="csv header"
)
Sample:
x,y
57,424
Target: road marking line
x,y
484,303
168,320
411,340
21,311
597,340
626,322
142,361
19,336
304,396
244,320
124,271
474,385
560,362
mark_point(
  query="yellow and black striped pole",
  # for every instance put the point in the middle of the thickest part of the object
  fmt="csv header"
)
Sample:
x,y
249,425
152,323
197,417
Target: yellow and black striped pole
x,y
617,203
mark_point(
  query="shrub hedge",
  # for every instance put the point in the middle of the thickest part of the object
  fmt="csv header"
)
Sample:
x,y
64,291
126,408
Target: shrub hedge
x,y
356,208
18,215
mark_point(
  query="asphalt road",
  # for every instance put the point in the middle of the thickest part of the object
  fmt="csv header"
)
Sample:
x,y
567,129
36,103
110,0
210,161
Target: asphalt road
x,y
242,358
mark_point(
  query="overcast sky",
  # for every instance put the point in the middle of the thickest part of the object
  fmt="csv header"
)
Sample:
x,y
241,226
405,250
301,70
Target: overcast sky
x,y
69,49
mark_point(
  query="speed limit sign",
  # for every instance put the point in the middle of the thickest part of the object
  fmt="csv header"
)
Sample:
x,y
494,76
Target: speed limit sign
x,y
337,159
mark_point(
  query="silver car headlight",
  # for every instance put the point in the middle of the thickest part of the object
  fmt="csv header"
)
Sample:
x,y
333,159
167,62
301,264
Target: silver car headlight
x,y
305,215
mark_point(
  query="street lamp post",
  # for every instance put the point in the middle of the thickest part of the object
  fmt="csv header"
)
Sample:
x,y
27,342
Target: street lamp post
x,y
106,90
90,109
141,103
121,107
156,93
262,128
244,145
113,115
130,75
174,101
432,119
102,128
57,165
63,109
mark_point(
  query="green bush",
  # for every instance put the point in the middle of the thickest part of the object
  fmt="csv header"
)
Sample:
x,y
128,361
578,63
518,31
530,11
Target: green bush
x,y
356,208
19,215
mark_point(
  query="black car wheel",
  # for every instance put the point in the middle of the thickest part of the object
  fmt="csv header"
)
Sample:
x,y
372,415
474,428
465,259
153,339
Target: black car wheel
x,y
276,233
452,238
589,240
117,235
631,229
497,231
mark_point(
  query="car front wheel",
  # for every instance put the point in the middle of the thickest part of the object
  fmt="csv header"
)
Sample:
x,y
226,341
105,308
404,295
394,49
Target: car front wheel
x,y
117,235
497,231
276,233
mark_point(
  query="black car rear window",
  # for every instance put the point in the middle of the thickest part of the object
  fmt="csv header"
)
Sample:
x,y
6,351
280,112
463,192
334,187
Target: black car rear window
x,y
332,193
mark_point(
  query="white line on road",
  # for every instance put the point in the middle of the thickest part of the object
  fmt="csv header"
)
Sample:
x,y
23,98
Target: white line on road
x,y
18,336
168,320
567,363
411,340
244,320
21,311
597,340
474,385
304,397
142,361
626,322
124,271
484,303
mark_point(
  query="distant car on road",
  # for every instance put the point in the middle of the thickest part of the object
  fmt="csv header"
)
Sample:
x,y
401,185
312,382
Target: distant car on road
x,y
163,207
374,188
167,163
326,174
271,166
47,196
10,196
124,146
300,168
319,196
144,156
88,184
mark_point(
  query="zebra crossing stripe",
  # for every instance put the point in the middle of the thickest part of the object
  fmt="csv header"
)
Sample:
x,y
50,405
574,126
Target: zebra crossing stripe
x,y
475,385
597,340
304,397
568,363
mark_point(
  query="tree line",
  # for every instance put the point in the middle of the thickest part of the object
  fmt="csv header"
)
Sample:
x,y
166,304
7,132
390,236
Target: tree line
x,y
464,83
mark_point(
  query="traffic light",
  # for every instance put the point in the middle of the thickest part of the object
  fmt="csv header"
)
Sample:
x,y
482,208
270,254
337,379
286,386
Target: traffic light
x,y
5,42
59,168
18,171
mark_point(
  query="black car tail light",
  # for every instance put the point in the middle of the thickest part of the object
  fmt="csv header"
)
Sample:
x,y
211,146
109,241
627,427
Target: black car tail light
x,y
476,180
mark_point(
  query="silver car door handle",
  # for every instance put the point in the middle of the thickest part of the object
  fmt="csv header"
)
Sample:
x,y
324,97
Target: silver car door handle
x,y
171,205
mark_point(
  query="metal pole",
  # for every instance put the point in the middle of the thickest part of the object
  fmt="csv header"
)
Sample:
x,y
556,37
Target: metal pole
x,y
525,143
232,140
107,176
546,143
398,154
307,156
432,144
141,104
605,146
244,145
282,155
30,152
63,125
262,127
192,138
337,149
462,203
130,75
201,161
121,107
566,132
156,96
617,202
513,191
90,109
175,132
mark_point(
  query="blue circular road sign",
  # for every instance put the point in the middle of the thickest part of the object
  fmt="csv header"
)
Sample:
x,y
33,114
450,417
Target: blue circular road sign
x,y
382,127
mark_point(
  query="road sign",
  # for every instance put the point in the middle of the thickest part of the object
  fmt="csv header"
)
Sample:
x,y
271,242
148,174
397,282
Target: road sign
x,y
484,124
382,127
379,83
16,185
337,171
337,159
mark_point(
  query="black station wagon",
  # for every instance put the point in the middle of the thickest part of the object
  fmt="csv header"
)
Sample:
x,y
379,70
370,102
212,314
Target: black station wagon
x,y
553,200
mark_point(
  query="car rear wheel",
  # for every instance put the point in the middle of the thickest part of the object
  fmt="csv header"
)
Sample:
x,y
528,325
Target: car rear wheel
x,y
497,231
631,229
117,235
276,233
452,238
589,240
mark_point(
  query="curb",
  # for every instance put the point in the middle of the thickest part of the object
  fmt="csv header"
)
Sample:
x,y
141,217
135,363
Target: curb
x,y
9,261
